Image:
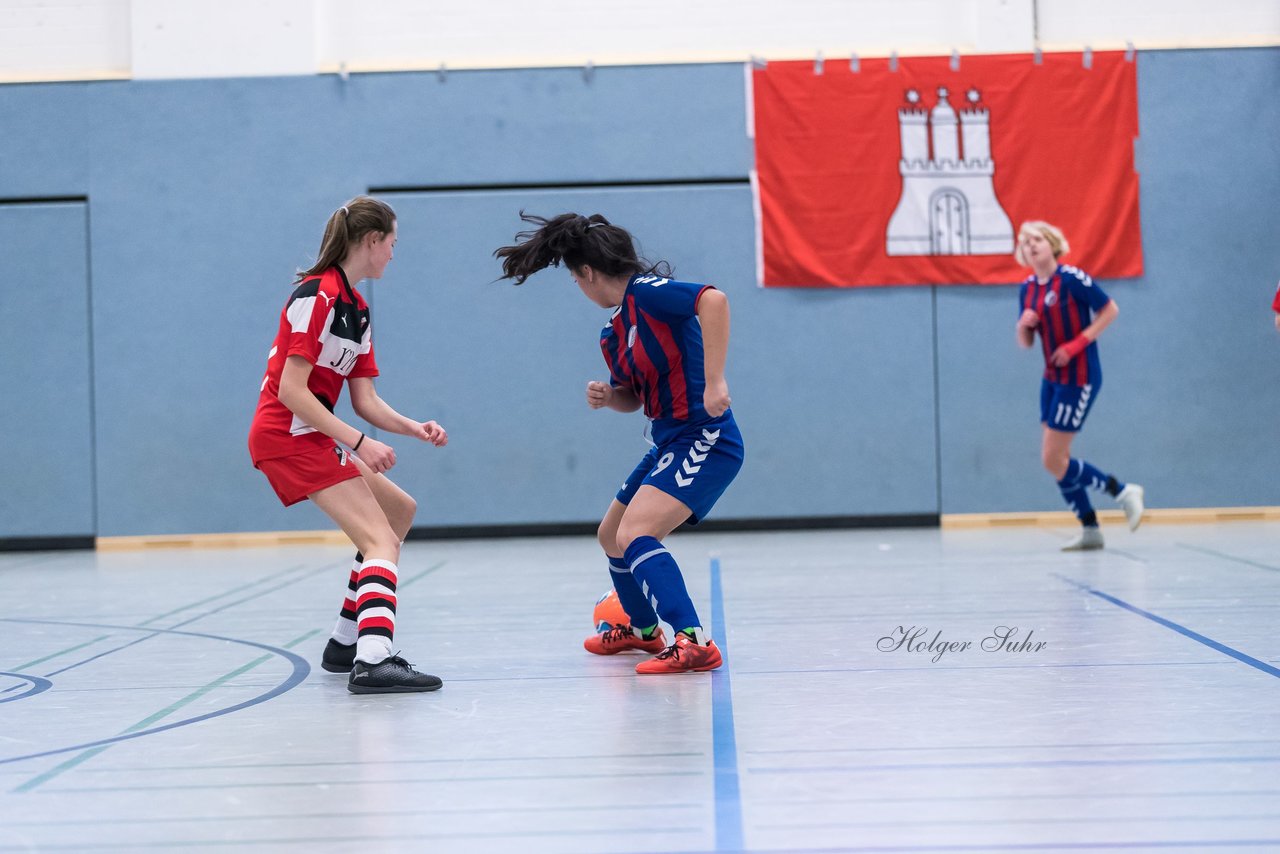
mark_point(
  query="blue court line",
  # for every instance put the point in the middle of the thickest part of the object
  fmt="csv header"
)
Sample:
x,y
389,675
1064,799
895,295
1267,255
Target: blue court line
x,y
300,670
1125,845
264,580
677,777
1012,764
359,763
292,569
194,619
42,659
1009,796
1009,821
1169,624
366,842
1085,745
38,684
1225,556
367,815
724,743
71,649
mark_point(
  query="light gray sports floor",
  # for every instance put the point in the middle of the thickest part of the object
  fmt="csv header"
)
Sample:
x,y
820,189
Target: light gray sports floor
x,y
171,700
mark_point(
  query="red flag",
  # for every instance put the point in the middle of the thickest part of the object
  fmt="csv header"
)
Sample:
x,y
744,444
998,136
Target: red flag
x,y
922,175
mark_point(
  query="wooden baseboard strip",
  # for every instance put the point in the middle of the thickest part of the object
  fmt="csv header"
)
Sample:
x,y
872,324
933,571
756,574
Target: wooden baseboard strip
x,y
1048,519
1160,516
264,539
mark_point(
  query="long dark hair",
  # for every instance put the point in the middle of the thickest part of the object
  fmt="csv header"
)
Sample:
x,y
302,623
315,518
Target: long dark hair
x,y
575,240
346,227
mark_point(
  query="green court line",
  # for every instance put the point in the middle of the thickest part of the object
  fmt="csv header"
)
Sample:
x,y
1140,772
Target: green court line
x,y
426,571
79,758
224,593
356,763
353,781
62,652
22,667
53,655
274,843
92,752
367,814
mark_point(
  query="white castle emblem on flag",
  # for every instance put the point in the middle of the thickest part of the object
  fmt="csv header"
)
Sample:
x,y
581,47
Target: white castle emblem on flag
x,y
948,204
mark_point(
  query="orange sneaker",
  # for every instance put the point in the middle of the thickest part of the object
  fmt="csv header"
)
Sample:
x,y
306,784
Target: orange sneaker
x,y
622,638
683,656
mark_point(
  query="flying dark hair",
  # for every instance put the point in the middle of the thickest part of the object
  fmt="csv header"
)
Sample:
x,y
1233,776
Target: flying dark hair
x,y
574,240
346,227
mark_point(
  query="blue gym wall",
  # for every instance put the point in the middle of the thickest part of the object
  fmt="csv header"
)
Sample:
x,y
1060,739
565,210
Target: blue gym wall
x,y
152,229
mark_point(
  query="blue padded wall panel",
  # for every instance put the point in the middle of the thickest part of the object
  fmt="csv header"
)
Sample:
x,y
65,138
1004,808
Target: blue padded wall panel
x,y
206,195
45,403
47,143
505,368
1189,403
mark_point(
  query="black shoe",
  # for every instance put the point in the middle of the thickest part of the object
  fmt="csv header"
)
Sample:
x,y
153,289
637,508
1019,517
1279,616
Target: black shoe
x,y
391,676
338,657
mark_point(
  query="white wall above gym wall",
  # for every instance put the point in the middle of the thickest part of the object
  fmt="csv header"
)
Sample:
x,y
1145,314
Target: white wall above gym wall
x,y
72,39
230,38
86,39
407,33
1068,24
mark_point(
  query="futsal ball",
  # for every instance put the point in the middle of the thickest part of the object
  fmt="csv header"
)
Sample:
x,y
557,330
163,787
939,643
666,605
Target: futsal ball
x,y
608,613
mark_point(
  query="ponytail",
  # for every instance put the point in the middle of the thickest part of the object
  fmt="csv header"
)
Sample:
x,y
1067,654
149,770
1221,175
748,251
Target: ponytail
x,y
346,227
576,241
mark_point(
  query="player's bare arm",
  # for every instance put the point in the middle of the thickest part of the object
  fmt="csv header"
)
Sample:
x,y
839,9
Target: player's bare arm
x,y
372,408
713,315
302,403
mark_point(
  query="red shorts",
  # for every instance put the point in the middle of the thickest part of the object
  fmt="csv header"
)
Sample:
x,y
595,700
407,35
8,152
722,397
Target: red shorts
x,y
297,476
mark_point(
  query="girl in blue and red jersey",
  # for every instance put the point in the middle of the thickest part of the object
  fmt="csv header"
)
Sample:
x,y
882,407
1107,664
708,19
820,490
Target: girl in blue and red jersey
x,y
665,347
1069,311
325,340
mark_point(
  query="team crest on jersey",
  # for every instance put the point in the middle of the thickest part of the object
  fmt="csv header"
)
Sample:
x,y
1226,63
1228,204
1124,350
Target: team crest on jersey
x,y
631,337
1050,299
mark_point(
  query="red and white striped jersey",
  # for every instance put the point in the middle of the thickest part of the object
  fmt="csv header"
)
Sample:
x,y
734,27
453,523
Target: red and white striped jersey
x,y
326,321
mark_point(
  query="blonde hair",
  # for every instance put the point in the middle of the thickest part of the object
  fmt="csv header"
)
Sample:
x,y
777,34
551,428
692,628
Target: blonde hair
x,y
1057,240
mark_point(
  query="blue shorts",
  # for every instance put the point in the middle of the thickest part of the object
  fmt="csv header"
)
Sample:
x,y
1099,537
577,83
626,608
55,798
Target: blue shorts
x,y
694,466
1065,407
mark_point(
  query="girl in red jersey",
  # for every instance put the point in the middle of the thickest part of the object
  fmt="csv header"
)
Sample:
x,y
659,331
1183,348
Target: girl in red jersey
x,y
1069,311
325,340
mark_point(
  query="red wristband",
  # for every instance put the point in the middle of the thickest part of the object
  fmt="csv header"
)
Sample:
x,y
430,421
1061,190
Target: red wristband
x,y
1076,346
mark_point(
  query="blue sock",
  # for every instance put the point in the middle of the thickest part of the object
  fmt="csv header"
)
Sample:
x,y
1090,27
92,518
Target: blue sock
x,y
633,602
659,578
1096,479
1076,495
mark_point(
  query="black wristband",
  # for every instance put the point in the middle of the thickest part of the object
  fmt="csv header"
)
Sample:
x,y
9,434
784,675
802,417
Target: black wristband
x,y
356,446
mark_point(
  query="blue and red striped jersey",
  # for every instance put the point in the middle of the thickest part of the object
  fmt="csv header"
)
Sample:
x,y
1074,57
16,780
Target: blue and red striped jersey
x,y
1066,305
653,346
